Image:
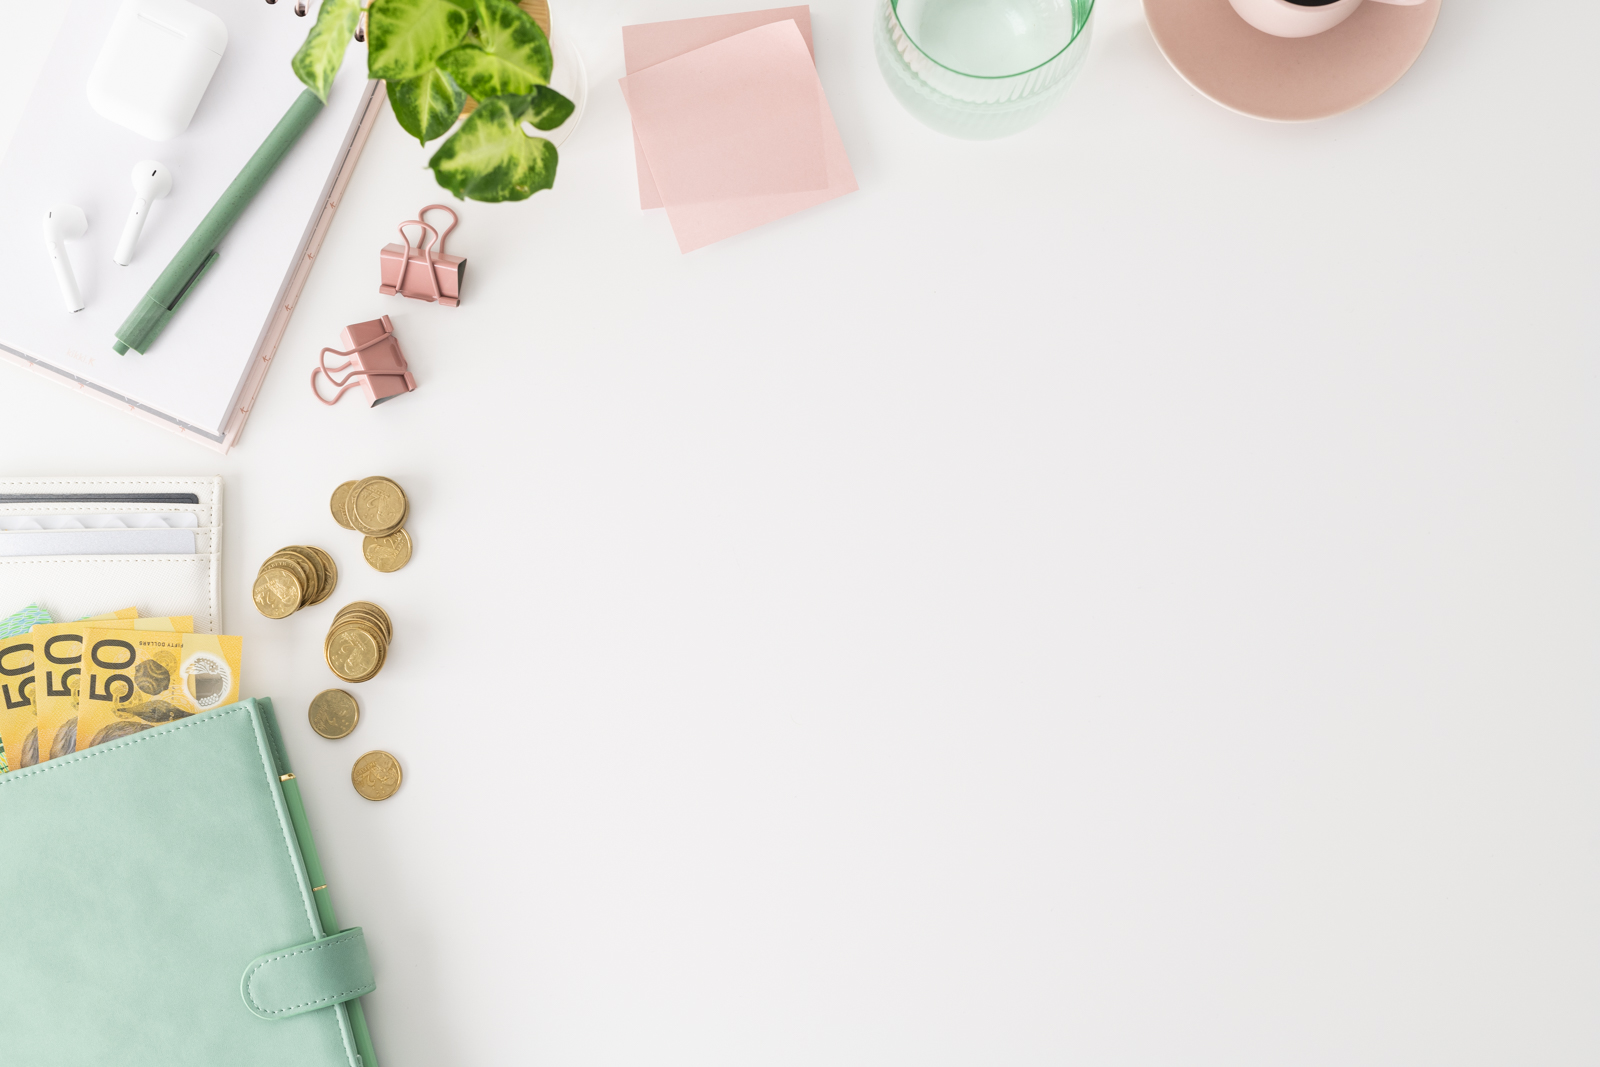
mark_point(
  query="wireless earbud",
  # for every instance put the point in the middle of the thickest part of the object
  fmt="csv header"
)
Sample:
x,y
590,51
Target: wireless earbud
x,y
62,223
151,181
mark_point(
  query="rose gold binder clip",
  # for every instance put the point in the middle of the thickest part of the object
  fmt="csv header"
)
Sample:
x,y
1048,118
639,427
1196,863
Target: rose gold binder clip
x,y
374,362
423,271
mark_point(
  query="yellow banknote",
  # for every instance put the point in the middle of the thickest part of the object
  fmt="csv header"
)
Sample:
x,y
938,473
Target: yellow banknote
x,y
19,733
57,670
134,680
18,738
120,613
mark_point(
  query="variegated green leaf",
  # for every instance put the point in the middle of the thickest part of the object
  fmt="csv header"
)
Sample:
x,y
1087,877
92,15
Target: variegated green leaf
x,y
406,37
509,53
426,107
545,109
319,58
490,158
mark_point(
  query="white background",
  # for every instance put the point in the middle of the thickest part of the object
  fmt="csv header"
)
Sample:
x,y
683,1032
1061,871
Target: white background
x,y
1121,595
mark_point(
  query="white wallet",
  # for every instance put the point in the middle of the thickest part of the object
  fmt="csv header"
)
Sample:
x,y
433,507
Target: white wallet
x,y
75,526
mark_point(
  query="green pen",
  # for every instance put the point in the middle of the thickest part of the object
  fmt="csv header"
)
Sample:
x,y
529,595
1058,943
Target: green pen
x,y
308,853
141,328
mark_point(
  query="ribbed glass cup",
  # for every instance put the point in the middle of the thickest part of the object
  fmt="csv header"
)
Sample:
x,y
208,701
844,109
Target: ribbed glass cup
x,y
981,69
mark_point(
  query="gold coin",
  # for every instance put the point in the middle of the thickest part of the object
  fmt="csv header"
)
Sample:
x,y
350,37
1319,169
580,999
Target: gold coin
x,y
404,515
365,605
295,564
388,554
371,610
341,496
334,713
357,679
309,554
360,622
277,593
329,568
377,506
365,623
354,653
350,503
376,775
309,568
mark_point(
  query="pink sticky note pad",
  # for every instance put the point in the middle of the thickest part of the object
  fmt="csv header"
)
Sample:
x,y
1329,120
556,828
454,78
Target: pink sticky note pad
x,y
736,118
703,201
650,43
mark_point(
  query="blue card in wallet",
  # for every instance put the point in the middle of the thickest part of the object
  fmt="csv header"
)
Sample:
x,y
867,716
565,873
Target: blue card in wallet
x,y
165,905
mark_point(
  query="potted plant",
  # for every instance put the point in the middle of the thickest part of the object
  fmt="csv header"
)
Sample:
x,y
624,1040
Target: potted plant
x,y
439,58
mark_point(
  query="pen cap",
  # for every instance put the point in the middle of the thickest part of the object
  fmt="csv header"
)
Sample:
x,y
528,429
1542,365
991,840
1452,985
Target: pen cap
x,y
155,66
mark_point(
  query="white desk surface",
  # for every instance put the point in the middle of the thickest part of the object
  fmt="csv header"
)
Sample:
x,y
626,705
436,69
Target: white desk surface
x,y
1122,595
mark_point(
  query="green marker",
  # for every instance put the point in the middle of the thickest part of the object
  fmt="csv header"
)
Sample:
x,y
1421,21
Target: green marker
x,y
146,322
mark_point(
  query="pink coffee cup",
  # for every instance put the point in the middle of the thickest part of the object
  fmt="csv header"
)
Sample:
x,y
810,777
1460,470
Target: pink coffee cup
x,y
1301,18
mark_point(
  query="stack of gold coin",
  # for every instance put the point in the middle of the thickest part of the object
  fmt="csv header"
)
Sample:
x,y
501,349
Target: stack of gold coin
x,y
376,507
358,641
293,578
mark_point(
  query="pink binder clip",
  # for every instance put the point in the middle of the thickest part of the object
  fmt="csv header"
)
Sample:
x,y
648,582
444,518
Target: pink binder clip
x,y
375,363
423,271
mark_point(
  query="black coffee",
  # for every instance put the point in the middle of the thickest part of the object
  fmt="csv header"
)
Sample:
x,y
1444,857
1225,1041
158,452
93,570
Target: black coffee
x,y
1313,3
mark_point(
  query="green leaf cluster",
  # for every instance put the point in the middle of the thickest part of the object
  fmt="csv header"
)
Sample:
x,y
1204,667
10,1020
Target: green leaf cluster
x,y
433,54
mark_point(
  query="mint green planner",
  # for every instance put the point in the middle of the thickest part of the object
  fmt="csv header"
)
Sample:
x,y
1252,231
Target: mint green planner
x,y
163,904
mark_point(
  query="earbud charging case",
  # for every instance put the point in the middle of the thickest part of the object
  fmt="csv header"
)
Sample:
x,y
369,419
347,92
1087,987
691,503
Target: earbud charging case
x,y
155,66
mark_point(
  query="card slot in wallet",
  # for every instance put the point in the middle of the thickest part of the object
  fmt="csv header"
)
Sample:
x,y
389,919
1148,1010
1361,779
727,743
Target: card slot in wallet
x,y
99,498
203,496
98,520
88,513
120,542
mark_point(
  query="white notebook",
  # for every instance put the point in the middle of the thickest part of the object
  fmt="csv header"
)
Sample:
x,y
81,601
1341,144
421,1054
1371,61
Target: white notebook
x,y
201,375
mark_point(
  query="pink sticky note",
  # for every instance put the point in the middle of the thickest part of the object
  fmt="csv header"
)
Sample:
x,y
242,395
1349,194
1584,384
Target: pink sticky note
x,y
736,118
772,149
650,43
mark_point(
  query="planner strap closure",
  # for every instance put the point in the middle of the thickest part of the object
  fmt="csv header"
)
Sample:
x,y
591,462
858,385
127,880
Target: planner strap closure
x,y
309,977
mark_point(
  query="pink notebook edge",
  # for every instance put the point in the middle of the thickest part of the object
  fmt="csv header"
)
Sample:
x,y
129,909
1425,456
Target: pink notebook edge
x,y
273,330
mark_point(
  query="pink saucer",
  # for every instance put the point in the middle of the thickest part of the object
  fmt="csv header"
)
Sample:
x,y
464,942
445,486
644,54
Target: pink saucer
x,y
1289,79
